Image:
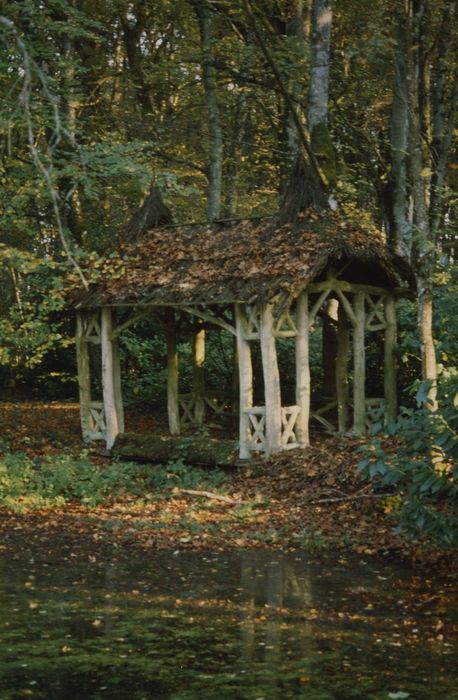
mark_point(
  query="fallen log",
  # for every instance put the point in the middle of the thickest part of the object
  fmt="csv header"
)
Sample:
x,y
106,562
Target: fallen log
x,y
198,449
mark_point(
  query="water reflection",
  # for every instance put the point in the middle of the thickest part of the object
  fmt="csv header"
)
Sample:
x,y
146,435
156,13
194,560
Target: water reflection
x,y
242,625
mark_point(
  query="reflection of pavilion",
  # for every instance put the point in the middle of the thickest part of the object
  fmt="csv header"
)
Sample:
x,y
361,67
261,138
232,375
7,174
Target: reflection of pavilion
x,y
259,281
268,588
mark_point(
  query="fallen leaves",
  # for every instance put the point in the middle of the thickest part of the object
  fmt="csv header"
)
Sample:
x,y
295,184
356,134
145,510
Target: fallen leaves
x,y
271,504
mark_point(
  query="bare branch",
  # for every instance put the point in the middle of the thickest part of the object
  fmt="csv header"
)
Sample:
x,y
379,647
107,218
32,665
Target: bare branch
x,y
30,69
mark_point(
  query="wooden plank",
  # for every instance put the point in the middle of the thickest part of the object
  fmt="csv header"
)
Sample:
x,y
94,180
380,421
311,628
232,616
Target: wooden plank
x,y
390,379
109,400
359,367
302,370
245,381
271,380
173,410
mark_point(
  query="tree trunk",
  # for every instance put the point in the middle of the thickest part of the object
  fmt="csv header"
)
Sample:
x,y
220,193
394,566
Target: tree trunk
x,y
215,169
271,381
198,379
172,374
401,236
319,76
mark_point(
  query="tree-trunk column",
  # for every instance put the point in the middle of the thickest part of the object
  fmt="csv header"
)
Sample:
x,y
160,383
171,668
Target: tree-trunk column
x,y
391,398
342,369
359,367
198,380
108,383
302,370
117,383
172,375
84,378
271,380
245,381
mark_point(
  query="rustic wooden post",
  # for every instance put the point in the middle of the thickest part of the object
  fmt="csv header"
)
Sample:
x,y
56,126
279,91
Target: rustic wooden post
x,y
198,382
172,374
245,381
390,359
108,383
271,380
359,366
117,384
84,378
302,370
329,345
342,369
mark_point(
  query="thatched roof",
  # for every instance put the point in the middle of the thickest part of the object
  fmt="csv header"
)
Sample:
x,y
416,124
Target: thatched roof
x,y
222,263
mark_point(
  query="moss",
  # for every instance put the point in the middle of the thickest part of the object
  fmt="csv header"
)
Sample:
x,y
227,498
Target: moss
x,y
323,149
192,450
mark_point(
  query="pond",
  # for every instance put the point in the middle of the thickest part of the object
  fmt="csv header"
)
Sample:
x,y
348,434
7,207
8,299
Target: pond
x,y
248,625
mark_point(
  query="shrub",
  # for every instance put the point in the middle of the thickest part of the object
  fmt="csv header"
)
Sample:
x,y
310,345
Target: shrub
x,y
423,471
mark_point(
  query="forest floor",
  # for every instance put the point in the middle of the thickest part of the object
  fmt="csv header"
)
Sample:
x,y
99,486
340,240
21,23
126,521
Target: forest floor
x,y
313,499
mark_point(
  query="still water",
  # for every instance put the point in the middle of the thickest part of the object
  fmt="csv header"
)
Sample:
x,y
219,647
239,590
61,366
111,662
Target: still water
x,y
248,625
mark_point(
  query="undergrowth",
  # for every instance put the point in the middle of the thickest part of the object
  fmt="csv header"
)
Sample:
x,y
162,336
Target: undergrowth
x,y
421,473
28,483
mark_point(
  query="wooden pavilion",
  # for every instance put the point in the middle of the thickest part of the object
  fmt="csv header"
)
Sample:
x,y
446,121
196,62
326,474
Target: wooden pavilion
x,y
258,280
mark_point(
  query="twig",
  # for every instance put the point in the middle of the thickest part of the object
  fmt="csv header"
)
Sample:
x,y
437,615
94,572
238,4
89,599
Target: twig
x,y
210,495
351,497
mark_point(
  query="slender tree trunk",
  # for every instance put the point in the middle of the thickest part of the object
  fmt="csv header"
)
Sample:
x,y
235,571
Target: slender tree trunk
x,y
401,236
320,59
423,252
215,168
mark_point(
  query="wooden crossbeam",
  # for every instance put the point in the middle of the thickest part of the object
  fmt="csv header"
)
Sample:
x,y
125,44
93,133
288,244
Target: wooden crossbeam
x,y
376,311
257,421
90,328
285,326
317,305
289,416
208,316
187,404
347,306
252,322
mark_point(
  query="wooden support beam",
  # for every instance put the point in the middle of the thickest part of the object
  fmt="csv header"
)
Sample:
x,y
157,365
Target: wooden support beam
x,y
208,316
359,367
302,369
84,378
344,286
271,380
198,380
245,381
172,374
343,340
329,347
391,399
108,384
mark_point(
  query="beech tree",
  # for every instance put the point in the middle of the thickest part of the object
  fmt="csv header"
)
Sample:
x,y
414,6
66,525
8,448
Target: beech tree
x,y
425,96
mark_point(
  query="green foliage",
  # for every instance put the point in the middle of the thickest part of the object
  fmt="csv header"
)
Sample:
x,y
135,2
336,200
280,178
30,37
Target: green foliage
x,y
30,325
177,474
422,471
27,483
43,482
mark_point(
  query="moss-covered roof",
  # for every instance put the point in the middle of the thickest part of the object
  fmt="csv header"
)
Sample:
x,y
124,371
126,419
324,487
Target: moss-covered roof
x,y
221,263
